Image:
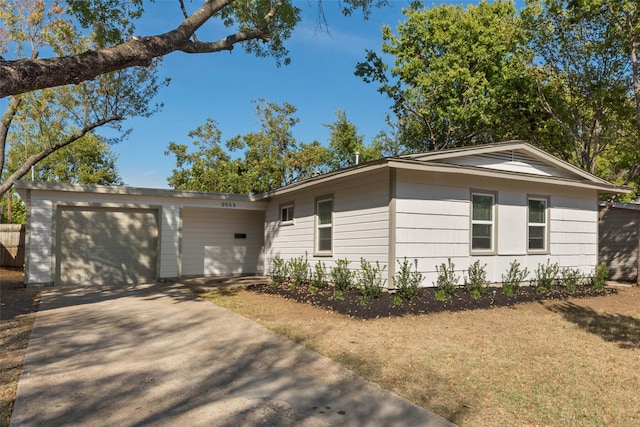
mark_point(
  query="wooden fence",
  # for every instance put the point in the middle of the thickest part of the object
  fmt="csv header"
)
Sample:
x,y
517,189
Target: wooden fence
x,y
11,245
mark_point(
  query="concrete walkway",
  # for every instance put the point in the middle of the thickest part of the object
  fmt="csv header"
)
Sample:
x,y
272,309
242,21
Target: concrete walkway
x,y
156,355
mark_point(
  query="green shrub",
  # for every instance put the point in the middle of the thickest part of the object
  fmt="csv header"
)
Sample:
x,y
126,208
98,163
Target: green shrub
x,y
599,278
571,278
446,281
279,271
545,276
371,281
476,281
511,281
407,282
320,277
299,270
342,276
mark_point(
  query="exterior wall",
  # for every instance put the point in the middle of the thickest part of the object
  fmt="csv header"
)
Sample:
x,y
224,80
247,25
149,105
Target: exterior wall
x,y
360,221
39,242
210,245
433,224
40,262
618,243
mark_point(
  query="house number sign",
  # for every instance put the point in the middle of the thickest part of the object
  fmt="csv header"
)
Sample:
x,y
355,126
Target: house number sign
x,y
228,204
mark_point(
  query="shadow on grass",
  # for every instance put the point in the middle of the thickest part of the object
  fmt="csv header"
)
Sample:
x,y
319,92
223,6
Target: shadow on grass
x,y
620,329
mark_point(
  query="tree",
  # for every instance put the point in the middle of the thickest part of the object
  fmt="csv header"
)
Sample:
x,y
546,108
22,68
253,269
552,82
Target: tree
x,y
89,161
344,143
582,74
45,121
454,76
268,158
262,26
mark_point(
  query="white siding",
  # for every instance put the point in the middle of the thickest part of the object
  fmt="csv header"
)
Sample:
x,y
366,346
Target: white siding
x,y
40,229
511,161
169,240
433,221
360,222
210,246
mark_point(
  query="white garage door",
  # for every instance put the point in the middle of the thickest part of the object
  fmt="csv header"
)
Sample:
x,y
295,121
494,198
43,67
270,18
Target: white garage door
x,y
106,246
221,241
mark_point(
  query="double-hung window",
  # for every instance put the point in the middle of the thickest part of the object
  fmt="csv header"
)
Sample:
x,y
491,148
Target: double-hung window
x,y
482,222
324,226
286,214
537,224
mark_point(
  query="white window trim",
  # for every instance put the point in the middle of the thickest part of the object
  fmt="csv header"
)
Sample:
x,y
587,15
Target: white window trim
x,y
544,225
288,221
317,227
493,222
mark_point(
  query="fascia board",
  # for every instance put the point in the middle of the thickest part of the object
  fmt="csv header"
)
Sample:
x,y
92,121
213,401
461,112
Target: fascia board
x,y
23,186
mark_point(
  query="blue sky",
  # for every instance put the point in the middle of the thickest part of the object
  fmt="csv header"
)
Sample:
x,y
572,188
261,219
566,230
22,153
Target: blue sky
x,y
319,81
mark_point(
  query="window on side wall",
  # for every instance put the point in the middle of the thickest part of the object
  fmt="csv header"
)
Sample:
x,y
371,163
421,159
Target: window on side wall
x,y
286,214
324,226
482,222
537,224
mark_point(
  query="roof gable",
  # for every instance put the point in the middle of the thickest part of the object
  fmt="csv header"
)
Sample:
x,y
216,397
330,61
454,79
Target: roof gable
x,y
511,156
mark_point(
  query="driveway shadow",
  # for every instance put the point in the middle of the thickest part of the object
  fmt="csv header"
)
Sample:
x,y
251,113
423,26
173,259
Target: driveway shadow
x,y
616,328
157,355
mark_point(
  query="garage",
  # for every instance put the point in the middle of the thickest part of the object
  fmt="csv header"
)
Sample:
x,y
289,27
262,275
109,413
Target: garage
x,y
111,246
221,241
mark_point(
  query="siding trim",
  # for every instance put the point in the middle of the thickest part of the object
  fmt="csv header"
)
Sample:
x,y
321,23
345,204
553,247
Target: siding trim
x,y
392,229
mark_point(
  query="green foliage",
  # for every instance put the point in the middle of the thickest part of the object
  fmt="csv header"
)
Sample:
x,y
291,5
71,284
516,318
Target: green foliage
x,y
454,75
371,281
247,164
279,271
599,278
476,280
320,277
571,278
397,300
515,275
338,295
546,276
341,275
407,282
447,281
299,270
87,161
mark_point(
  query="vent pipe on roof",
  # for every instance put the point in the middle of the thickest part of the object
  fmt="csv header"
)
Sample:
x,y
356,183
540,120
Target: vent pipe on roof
x,y
357,157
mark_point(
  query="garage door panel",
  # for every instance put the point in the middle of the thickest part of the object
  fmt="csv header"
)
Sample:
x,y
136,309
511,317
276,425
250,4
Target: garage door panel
x,y
107,246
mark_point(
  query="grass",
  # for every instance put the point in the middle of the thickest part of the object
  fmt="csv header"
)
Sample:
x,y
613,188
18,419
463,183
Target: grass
x,y
552,363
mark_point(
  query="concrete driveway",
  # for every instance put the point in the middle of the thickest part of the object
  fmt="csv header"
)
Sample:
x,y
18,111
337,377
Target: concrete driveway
x,y
156,355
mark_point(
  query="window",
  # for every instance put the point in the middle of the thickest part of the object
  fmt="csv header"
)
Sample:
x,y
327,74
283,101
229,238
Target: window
x,y
537,224
286,214
482,222
324,226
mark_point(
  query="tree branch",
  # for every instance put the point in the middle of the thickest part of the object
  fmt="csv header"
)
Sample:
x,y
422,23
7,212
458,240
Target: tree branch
x,y
5,124
32,160
27,75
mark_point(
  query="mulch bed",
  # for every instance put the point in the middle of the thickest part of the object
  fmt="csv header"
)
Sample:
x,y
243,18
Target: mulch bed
x,y
424,303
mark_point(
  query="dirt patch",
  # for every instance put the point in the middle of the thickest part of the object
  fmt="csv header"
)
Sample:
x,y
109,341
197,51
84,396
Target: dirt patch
x,y
350,304
17,314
